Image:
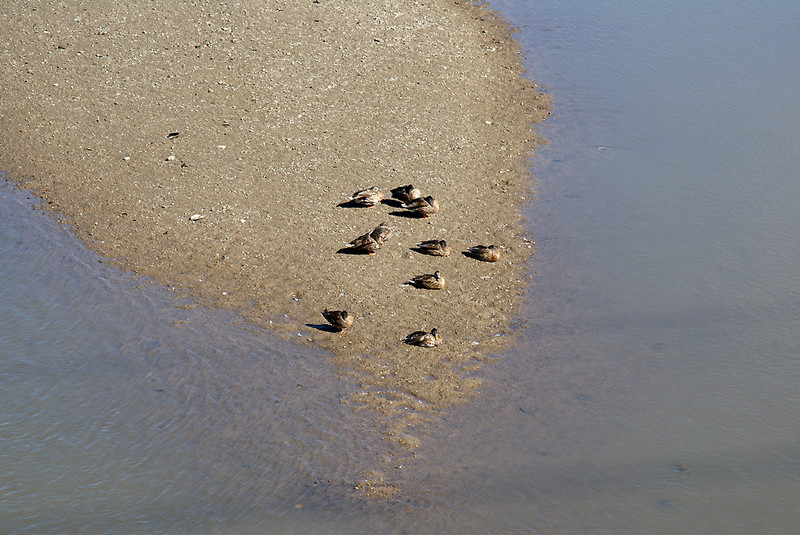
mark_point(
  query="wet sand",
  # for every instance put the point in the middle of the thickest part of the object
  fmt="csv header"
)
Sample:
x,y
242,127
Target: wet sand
x,y
262,118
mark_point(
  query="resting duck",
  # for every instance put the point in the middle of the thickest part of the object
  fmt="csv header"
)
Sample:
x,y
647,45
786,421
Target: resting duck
x,y
406,193
423,339
340,319
431,281
367,197
434,248
424,206
381,233
365,243
489,253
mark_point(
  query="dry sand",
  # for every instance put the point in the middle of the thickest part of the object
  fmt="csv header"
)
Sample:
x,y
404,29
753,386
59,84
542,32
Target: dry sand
x,y
282,109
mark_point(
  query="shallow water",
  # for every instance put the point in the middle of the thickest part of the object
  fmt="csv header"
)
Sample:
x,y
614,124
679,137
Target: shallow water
x,y
657,382
653,389
126,410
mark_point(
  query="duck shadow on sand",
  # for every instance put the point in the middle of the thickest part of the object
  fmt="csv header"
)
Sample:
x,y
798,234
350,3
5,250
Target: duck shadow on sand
x,y
407,214
351,204
324,327
351,250
394,203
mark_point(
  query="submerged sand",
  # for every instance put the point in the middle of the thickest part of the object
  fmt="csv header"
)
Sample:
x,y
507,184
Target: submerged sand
x,y
263,117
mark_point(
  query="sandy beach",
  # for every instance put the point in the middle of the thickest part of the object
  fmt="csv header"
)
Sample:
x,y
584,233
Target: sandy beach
x,y
260,119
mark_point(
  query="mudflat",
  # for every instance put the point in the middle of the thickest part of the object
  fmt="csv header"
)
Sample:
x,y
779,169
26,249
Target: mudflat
x,y
212,147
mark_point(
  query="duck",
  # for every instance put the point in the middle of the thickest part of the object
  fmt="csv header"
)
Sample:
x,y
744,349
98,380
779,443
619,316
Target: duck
x,y
434,248
430,281
423,206
490,253
406,193
367,197
365,243
339,319
423,339
381,233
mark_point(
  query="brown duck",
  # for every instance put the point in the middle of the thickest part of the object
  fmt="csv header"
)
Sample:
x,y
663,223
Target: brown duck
x,y
489,253
381,233
367,197
365,243
339,319
406,193
431,281
423,339
423,206
434,248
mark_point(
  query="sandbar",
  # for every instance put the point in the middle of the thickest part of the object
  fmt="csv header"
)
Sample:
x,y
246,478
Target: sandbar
x,y
260,118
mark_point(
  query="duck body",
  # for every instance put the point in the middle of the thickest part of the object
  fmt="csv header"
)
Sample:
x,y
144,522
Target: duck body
x,y
381,233
423,206
406,193
365,243
339,319
431,281
434,248
423,339
490,253
367,197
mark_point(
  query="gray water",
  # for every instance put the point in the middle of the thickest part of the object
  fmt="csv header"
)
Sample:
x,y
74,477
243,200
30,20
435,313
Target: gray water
x,y
664,316
653,389
127,410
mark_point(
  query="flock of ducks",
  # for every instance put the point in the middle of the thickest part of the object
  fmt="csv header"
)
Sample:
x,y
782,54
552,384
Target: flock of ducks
x,y
411,199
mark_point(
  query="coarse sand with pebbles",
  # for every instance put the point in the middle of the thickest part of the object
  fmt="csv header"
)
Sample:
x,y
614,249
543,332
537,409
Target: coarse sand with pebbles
x,y
260,119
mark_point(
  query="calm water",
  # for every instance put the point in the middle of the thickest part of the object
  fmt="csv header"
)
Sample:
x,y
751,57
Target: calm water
x,y
123,411
654,388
